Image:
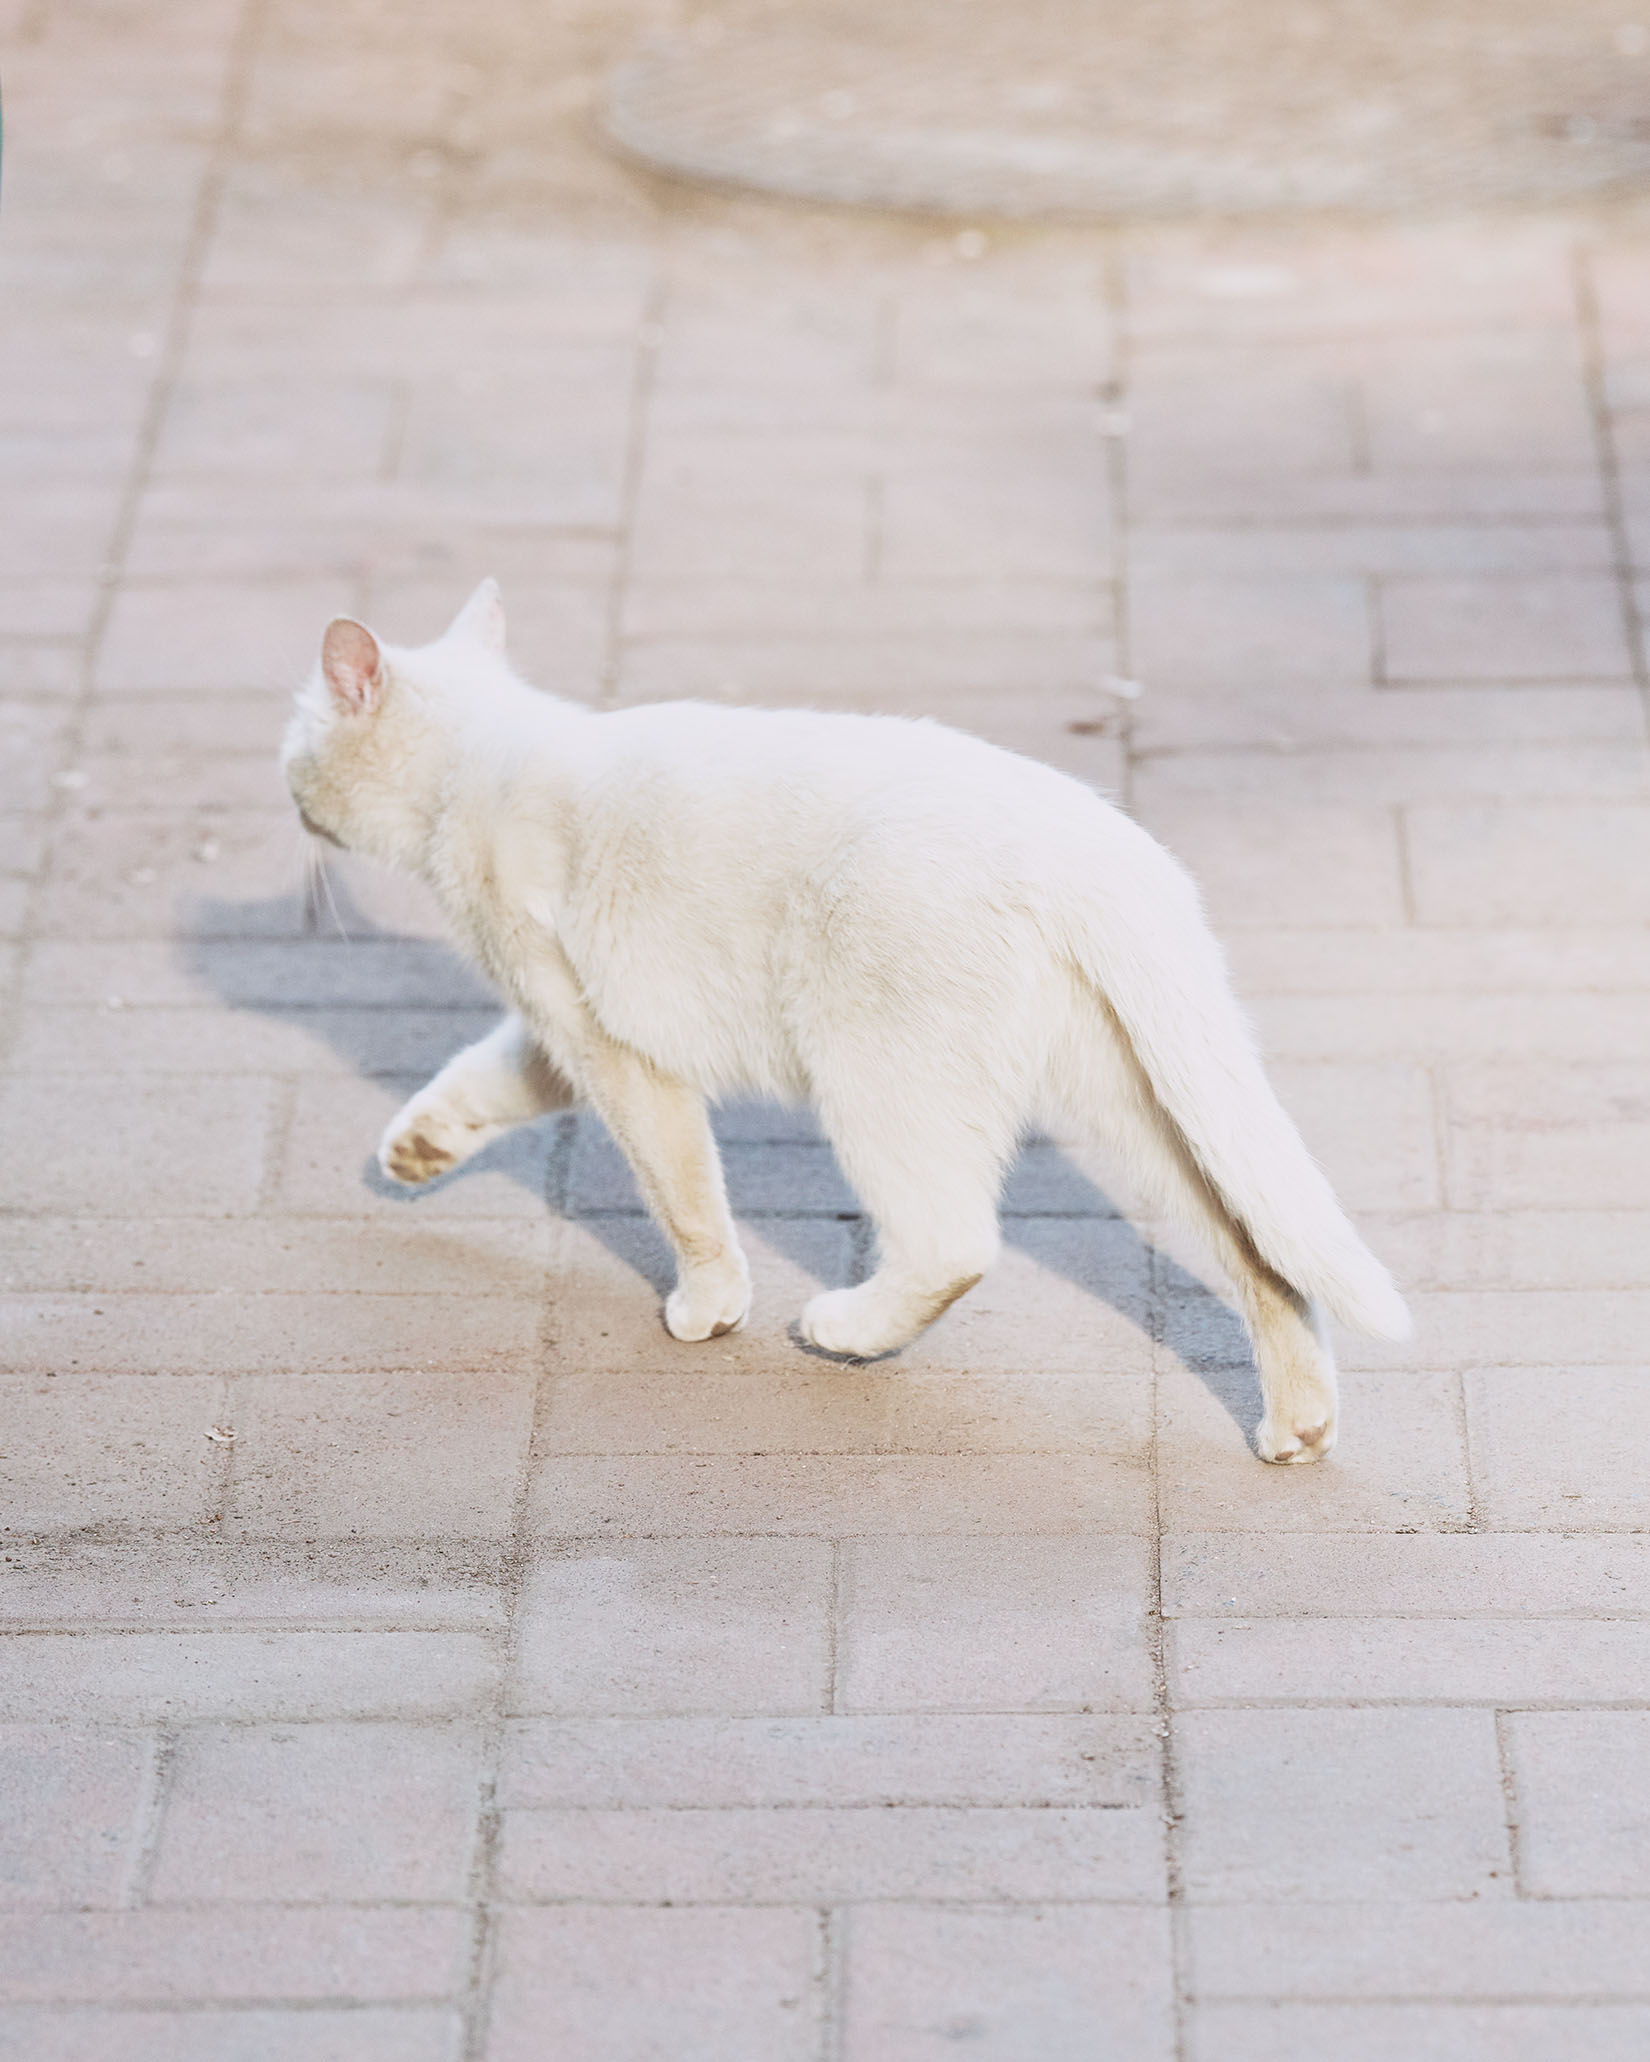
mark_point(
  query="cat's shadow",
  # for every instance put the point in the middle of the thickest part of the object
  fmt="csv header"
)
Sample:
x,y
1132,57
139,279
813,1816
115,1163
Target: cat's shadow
x,y
334,989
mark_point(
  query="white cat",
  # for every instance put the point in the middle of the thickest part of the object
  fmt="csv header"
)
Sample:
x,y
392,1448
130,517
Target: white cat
x,y
938,943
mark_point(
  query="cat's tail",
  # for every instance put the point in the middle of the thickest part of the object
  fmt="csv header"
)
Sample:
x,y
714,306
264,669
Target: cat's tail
x,y
1144,944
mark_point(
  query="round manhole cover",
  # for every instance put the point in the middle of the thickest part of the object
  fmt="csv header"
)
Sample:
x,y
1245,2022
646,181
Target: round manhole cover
x,y
1149,107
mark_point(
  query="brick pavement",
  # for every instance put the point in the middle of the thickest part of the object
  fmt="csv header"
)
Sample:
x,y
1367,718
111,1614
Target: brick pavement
x,y
515,1683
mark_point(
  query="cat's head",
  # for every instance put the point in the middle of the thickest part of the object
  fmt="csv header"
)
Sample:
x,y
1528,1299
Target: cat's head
x,y
372,735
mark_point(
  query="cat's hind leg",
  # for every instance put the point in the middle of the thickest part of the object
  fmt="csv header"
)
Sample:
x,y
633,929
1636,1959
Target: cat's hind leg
x,y
1103,1088
490,1087
929,1174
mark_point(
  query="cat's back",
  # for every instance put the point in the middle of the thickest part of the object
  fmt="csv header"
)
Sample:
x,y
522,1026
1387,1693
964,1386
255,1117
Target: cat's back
x,y
842,770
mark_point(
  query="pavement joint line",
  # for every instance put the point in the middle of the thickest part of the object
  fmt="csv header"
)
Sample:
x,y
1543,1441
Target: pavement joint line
x,y
1510,1804
831,1980
149,1817
1170,1799
649,337
239,58
517,1565
1590,325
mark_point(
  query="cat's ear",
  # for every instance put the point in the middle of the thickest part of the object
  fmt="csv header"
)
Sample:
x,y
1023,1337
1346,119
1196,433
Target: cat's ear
x,y
482,618
353,666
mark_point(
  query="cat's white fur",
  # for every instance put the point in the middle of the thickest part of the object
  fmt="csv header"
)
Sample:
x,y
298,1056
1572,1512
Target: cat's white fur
x,y
937,943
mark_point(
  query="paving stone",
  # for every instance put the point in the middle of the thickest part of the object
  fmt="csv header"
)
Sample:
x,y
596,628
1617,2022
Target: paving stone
x,y
69,1804
960,676
189,1583
690,1985
75,1144
1056,330
1374,1661
1341,1805
769,527
1498,1948
1315,866
678,1626
225,1040
126,1678
366,2034
217,635
1196,637
1428,2033
392,1456
1362,777
995,1625
282,977
321,1813
1527,1138
838,1496
33,740
1415,546
228,1334
1583,1801
85,1449
260,1951
1459,1328
1555,628
1571,1029
1510,397
1538,1459
1540,863
1421,1576
781,1402
832,1856
481,439
1237,415
298,424
499,1260
745,608
1030,1985
1395,965
910,1758
995,522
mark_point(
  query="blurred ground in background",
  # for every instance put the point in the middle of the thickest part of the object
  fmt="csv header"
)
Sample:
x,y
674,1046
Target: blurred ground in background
x,y
411,1653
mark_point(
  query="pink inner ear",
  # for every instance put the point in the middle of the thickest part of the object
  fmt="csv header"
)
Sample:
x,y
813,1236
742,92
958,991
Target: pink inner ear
x,y
353,664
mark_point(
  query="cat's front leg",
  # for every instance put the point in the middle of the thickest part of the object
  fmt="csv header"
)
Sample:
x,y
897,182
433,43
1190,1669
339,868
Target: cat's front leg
x,y
661,1127
499,1082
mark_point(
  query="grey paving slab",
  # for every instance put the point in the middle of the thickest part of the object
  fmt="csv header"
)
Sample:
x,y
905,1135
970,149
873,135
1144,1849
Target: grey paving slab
x,y
516,1681
301,1815
697,1983
1537,1948
1024,1984
308,1954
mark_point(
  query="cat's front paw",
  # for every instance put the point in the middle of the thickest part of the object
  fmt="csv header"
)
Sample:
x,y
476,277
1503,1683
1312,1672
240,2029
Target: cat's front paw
x,y
1301,1435
708,1303
421,1144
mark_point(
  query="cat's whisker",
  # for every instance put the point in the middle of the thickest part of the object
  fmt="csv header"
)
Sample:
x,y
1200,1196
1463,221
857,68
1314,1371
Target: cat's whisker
x,y
321,872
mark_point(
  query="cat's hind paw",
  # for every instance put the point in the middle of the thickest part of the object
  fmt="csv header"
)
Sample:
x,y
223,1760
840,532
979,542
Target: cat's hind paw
x,y
708,1304
852,1322
1305,1435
